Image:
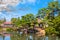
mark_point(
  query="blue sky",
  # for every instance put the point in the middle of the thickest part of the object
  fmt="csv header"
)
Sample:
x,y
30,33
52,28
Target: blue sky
x,y
27,6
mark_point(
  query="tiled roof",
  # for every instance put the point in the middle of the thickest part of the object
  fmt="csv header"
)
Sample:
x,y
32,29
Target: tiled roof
x,y
7,23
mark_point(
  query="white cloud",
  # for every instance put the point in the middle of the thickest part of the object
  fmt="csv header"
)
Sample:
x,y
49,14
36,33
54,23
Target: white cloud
x,y
28,1
15,2
0,12
31,1
55,0
10,2
23,1
5,3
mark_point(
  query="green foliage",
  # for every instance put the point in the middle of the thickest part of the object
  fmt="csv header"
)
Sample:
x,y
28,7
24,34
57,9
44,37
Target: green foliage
x,y
16,21
56,24
2,21
25,20
49,17
9,29
50,30
53,4
42,12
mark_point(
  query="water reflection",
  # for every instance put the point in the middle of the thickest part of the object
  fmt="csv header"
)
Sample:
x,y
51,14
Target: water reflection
x,y
30,37
4,37
7,38
46,38
1,38
16,36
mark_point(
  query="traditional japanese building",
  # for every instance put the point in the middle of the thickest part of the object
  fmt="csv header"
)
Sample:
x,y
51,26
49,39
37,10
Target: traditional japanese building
x,y
7,25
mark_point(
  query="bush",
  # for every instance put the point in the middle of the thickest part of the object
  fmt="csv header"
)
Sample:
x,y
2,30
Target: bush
x,y
9,29
50,30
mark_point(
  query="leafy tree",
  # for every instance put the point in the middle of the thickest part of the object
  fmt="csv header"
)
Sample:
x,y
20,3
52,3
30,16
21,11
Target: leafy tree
x,y
28,19
13,20
49,17
56,24
50,30
2,21
41,12
25,20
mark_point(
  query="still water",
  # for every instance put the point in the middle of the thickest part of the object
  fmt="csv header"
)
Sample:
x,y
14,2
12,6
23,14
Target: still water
x,y
16,36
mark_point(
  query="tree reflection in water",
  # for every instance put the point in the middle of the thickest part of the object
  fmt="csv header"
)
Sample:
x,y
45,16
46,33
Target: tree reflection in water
x,y
17,36
1,37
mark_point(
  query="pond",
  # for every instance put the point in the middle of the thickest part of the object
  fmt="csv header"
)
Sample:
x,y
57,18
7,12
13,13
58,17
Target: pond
x,y
17,36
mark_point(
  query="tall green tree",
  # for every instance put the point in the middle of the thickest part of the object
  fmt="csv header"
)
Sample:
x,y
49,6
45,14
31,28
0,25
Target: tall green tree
x,y
2,21
28,19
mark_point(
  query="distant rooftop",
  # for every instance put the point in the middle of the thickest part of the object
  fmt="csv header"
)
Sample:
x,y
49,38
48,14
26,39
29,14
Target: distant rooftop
x,y
7,23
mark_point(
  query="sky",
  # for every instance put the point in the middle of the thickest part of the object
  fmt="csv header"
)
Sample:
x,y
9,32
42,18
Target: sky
x,y
22,7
